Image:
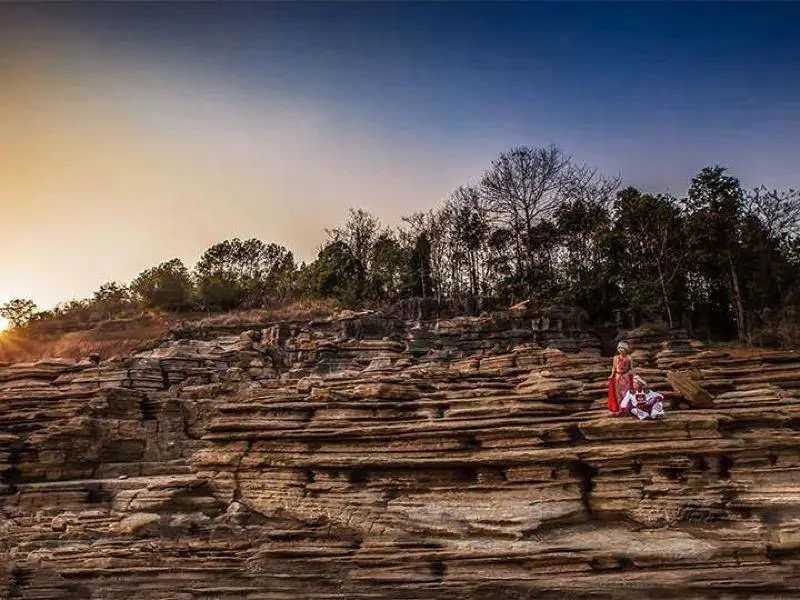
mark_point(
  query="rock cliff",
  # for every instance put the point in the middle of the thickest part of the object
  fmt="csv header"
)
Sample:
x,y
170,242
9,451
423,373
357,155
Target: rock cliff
x,y
391,455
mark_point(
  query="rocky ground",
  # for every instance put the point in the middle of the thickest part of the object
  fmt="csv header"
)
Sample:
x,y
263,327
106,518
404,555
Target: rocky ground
x,y
399,456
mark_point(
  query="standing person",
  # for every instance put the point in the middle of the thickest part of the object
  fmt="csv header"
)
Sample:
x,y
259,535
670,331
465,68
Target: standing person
x,y
621,380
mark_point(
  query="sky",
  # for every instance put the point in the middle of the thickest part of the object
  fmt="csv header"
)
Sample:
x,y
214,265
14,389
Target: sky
x,y
134,133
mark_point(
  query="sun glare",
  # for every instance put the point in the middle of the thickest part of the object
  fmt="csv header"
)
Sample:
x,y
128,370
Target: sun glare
x,y
3,323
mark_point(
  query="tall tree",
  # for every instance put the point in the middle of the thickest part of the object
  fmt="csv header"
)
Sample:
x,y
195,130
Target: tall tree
x,y
247,273
586,269
524,189
770,233
358,235
337,273
715,204
777,210
388,266
414,237
651,231
470,227
427,233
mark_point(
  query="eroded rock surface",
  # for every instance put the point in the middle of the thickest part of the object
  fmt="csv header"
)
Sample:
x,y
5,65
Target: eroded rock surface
x,y
374,456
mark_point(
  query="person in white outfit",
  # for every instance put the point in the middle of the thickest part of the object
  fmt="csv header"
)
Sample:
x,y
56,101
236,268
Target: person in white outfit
x,y
643,402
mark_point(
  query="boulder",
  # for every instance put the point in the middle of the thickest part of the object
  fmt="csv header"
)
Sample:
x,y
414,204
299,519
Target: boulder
x,y
695,395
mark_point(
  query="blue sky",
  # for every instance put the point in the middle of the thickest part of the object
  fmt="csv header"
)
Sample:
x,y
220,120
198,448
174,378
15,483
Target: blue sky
x,y
270,120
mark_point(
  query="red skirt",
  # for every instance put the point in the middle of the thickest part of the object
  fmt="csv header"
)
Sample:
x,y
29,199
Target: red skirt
x,y
613,401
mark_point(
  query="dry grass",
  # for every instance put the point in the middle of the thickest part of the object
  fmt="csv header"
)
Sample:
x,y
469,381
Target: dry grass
x,y
301,310
115,337
107,339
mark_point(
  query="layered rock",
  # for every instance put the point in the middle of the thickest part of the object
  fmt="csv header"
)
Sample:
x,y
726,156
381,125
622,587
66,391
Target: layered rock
x,y
393,455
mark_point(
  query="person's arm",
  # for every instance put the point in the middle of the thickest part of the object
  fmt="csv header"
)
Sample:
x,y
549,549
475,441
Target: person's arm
x,y
613,367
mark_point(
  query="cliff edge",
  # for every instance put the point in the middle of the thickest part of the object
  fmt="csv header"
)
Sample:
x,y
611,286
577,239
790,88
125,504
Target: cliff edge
x,y
394,454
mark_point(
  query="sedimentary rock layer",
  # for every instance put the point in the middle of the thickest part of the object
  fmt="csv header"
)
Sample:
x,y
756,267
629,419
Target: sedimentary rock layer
x,y
374,456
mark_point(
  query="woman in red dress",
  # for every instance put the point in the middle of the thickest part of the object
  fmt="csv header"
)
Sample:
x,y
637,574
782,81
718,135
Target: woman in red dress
x,y
621,379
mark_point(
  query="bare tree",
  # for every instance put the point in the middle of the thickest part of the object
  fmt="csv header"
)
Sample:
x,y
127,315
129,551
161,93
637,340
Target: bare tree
x,y
436,226
778,211
358,234
525,187
522,187
470,226
582,183
662,245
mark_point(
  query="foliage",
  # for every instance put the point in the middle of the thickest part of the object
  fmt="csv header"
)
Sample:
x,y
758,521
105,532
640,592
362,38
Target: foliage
x,y
588,257
167,286
112,298
536,225
648,231
336,273
525,189
237,273
18,311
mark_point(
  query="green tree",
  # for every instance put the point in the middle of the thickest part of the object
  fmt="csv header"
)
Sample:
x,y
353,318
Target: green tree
x,y
715,208
418,280
18,311
246,273
78,310
279,270
653,264
167,286
586,271
358,235
388,265
218,291
112,298
337,273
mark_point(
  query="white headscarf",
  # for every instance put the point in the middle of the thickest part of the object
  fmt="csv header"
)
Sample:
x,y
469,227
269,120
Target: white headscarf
x,y
623,345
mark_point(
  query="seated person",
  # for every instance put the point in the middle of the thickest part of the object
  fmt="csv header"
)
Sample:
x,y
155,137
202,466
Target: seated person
x,y
643,402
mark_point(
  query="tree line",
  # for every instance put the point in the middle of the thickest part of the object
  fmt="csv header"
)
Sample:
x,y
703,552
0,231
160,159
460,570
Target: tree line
x,y
537,225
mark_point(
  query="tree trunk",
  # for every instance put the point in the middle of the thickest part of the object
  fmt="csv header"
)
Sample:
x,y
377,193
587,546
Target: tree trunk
x,y
737,302
664,292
